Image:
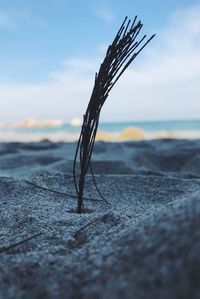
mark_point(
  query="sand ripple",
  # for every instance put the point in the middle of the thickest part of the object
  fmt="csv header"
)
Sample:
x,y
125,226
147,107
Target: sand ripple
x,y
146,246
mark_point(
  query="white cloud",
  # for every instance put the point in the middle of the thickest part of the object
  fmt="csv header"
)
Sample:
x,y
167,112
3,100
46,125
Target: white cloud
x,y
164,83
63,97
12,20
103,12
5,21
76,67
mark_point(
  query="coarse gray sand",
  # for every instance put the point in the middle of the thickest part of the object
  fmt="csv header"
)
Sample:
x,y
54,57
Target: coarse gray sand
x,y
146,244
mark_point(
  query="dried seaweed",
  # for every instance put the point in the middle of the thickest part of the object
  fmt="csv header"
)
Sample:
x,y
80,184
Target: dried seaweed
x,y
119,56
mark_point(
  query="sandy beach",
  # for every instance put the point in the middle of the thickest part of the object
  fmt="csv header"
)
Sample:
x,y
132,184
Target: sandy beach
x,y
143,243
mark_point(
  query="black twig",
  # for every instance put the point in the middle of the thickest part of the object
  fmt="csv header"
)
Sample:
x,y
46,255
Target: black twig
x,y
7,248
75,235
120,54
65,194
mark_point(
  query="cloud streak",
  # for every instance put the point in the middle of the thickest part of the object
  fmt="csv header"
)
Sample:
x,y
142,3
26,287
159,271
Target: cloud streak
x,y
5,21
103,12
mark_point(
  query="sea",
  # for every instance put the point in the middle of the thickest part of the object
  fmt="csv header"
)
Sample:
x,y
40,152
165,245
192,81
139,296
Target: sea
x,y
186,129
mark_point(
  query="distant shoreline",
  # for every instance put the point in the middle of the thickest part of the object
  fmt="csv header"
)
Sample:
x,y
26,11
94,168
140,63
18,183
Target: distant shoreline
x,y
129,134
114,131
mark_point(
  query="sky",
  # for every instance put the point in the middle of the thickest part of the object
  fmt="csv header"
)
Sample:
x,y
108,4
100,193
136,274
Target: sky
x,y
51,49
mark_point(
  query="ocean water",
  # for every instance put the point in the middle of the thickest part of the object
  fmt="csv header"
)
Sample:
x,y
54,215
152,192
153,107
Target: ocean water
x,y
189,129
154,126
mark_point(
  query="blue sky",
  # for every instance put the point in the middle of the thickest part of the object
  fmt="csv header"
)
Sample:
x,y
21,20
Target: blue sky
x,y
51,49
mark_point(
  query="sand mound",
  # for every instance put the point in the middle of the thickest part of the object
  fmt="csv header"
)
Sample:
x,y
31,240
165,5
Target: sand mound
x,y
167,135
104,136
131,134
145,246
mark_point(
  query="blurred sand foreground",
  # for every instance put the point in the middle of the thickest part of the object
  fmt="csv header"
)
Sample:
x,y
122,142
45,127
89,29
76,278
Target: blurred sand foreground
x,y
145,244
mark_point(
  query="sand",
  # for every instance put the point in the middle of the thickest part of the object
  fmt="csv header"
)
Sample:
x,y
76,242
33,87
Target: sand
x,y
144,244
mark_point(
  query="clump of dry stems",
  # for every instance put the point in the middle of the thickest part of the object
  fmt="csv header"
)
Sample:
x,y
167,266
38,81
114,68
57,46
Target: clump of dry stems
x,y
123,50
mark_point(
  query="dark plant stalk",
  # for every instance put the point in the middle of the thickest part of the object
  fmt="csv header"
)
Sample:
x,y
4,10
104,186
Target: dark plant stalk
x,y
119,56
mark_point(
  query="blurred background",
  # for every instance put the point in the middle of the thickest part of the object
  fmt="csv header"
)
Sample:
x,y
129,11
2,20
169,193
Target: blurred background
x,y
51,49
